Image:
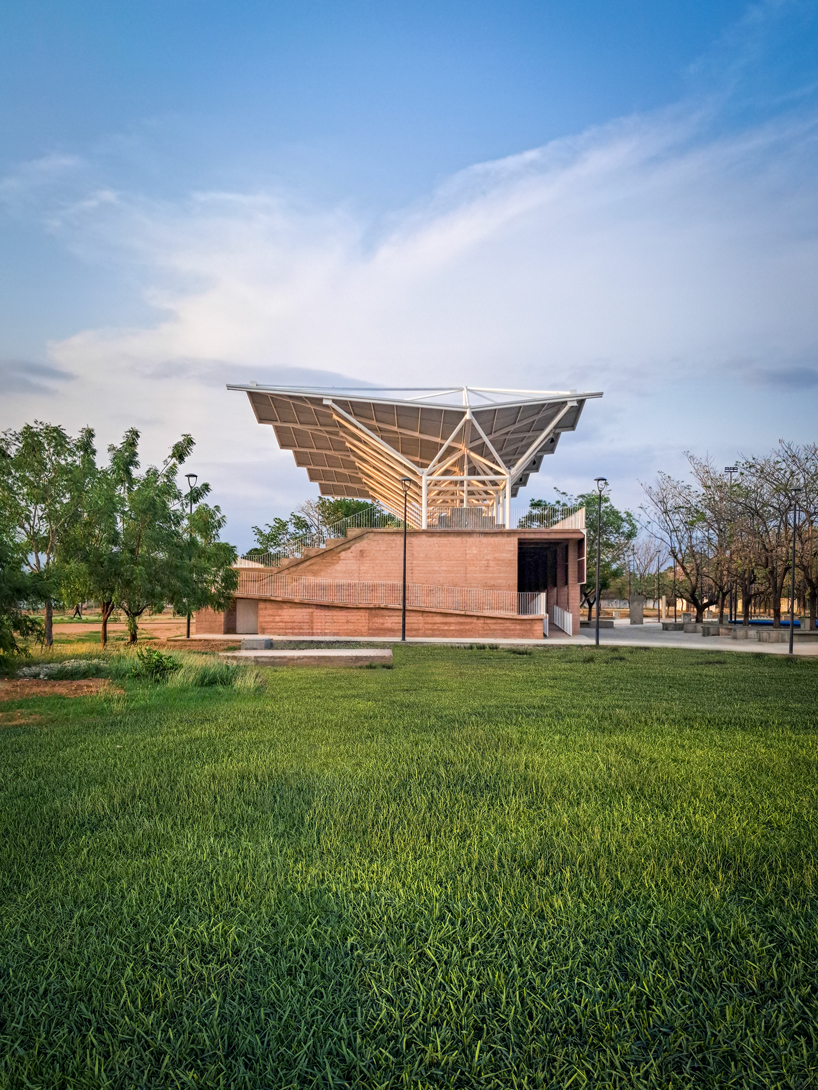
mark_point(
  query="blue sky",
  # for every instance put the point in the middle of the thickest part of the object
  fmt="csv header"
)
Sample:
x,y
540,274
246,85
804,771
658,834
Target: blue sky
x,y
618,196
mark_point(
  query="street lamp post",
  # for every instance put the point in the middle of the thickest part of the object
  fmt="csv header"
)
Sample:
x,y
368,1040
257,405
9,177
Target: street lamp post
x,y
673,557
192,478
404,483
730,470
600,488
796,492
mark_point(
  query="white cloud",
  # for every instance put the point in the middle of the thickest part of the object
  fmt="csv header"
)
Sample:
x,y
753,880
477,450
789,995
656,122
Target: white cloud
x,y
655,258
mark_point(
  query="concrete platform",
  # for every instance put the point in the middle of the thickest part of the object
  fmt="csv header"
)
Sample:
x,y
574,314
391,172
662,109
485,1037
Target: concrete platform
x,y
316,656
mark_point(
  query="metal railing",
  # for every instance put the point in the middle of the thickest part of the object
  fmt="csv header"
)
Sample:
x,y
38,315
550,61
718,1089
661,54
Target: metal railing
x,y
439,518
373,518
549,518
564,620
257,583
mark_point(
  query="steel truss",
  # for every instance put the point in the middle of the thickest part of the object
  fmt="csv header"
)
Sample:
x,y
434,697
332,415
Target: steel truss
x,y
459,448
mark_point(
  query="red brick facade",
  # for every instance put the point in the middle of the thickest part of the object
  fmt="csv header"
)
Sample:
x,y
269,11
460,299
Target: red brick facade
x,y
453,558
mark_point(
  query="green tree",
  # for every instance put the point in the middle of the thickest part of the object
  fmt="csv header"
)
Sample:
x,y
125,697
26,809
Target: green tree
x,y
165,557
136,548
44,473
18,589
618,531
92,551
208,577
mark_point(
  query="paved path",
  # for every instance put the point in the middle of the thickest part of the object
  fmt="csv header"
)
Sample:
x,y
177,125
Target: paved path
x,y
650,634
623,634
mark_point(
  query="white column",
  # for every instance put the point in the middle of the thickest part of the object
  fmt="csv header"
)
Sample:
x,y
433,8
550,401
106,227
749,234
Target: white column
x,y
424,487
508,503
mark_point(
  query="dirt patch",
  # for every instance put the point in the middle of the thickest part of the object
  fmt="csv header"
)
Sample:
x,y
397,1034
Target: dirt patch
x,y
22,688
18,718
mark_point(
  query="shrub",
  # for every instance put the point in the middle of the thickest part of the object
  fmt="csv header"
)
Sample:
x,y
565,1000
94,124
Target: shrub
x,y
154,665
199,673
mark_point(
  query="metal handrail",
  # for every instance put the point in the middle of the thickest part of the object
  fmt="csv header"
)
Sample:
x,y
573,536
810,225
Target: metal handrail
x,y
564,620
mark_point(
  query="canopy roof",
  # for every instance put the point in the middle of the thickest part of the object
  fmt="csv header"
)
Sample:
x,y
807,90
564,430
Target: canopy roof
x,y
458,447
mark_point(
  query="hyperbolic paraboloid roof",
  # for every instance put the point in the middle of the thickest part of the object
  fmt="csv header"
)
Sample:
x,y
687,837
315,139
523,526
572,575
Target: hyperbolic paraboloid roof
x,y
360,441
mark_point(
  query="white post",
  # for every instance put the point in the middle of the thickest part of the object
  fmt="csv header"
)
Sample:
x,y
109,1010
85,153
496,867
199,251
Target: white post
x,y
424,486
508,502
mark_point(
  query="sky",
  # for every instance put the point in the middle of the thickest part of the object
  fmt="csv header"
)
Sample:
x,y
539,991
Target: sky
x,y
564,194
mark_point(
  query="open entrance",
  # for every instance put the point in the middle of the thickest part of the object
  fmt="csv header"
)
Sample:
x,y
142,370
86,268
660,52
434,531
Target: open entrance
x,y
536,565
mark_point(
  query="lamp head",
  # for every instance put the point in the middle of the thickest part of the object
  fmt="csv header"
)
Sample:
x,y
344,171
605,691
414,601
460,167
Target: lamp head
x,y
731,469
192,478
600,483
405,482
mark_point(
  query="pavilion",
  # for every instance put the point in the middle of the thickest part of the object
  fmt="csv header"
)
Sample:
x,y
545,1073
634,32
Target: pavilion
x,y
453,459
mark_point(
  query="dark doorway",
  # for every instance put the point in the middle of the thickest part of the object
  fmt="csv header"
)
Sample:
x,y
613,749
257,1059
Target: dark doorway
x,y
536,566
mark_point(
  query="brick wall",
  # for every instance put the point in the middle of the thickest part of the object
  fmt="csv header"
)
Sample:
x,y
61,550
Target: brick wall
x,y
207,622
450,559
446,558
304,619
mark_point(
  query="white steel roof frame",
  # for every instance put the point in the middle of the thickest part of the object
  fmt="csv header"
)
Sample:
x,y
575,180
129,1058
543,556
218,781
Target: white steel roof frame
x,y
380,465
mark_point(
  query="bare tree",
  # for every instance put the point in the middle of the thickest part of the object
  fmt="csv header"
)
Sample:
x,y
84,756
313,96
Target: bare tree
x,y
765,499
679,519
802,467
718,508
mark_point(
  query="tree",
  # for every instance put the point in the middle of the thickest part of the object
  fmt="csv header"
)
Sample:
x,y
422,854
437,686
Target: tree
x,y
208,578
135,547
802,463
164,556
618,530
43,475
18,589
679,520
645,555
765,501
92,551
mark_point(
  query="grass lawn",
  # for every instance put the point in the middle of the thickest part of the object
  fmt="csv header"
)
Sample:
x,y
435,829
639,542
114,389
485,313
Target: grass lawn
x,y
479,869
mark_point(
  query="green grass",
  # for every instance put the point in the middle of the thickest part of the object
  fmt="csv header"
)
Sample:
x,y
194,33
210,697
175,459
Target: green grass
x,y
479,869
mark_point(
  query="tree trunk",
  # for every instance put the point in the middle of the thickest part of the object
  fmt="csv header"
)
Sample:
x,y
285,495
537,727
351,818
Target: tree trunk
x,y
813,608
721,606
699,612
776,604
132,630
107,609
49,623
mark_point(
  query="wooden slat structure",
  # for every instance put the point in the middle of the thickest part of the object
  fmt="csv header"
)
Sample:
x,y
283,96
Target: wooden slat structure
x,y
458,447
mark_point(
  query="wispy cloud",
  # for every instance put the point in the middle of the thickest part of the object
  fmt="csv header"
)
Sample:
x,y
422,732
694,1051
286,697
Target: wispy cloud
x,y
787,378
25,376
642,258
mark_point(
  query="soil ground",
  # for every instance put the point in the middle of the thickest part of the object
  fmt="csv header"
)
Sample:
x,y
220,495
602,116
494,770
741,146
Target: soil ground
x,y
21,688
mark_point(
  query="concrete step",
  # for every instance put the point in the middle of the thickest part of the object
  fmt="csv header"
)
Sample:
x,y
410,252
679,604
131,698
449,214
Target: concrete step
x,y
358,656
